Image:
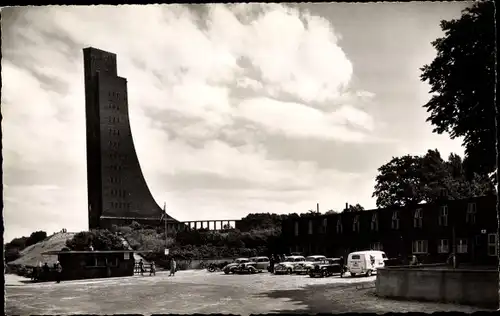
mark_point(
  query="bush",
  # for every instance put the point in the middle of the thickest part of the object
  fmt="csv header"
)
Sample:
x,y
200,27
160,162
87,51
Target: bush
x,y
101,239
36,237
11,254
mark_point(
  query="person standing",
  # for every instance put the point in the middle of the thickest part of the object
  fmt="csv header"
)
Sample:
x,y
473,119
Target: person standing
x,y
141,267
342,266
271,264
152,269
58,272
414,260
173,267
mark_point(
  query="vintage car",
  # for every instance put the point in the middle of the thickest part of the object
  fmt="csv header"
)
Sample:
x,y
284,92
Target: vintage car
x,y
325,268
288,266
254,265
261,263
236,263
304,267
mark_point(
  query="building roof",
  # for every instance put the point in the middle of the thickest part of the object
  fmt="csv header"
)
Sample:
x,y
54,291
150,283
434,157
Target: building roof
x,y
93,251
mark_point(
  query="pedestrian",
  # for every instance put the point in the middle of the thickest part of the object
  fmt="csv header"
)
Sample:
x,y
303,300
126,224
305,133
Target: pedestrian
x,y
342,266
414,260
271,264
452,260
108,269
46,271
152,269
173,267
58,272
141,267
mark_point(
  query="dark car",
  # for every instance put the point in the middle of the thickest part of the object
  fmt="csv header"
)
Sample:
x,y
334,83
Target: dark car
x,y
326,268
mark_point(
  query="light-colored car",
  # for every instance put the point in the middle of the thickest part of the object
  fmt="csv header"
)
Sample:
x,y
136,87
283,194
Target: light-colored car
x,y
308,264
254,265
261,263
237,262
288,266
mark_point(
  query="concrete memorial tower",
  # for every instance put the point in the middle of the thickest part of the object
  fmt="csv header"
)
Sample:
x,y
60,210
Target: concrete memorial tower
x,y
117,191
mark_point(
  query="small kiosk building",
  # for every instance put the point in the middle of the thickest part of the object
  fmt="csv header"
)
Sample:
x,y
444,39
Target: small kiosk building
x,y
91,264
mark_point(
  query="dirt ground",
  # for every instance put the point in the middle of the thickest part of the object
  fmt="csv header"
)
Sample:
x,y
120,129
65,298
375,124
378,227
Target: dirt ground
x,y
203,292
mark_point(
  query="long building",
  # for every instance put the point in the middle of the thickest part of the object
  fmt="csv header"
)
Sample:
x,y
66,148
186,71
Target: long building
x,y
430,231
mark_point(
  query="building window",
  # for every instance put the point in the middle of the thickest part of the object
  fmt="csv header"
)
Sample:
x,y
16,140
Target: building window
x,y
376,246
325,225
443,246
296,228
355,223
417,218
395,220
492,244
374,224
339,225
462,246
310,227
471,213
419,246
443,216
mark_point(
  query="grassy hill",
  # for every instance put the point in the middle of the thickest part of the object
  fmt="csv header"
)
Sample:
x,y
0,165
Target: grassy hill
x,y
31,255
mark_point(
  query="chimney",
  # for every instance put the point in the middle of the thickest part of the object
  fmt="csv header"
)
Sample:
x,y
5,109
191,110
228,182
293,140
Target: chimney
x,y
317,207
346,205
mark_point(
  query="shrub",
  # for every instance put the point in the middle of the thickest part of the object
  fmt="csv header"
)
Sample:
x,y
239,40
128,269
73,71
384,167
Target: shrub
x,y
101,239
36,237
11,254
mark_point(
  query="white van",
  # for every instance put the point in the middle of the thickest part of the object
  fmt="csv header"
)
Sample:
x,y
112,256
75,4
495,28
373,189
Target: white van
x,y
365,262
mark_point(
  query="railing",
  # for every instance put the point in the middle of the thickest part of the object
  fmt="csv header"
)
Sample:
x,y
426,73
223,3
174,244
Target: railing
x,y
146,267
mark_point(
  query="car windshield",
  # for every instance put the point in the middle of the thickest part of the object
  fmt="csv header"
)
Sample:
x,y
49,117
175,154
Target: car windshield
x,y
241,260
315,259
356,257
299,259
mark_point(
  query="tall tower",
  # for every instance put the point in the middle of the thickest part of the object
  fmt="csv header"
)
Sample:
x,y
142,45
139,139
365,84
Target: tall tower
x,y
117,191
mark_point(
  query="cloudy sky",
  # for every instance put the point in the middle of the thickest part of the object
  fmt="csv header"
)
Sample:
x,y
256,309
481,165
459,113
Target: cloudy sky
x,y
234,109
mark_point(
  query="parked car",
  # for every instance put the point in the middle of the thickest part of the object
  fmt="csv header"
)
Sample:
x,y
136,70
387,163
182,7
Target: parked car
x,y
365,262
308,264
326,268
288,266
262,263
230,267
254,265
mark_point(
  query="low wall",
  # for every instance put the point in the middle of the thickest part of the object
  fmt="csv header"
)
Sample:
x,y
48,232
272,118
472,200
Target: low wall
x,y
460,286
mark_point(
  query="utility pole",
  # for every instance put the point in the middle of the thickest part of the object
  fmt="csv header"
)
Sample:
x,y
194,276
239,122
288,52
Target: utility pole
x,y
166,227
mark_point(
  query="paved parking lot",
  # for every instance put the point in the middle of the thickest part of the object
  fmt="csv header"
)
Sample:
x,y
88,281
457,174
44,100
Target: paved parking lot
x,y
202,292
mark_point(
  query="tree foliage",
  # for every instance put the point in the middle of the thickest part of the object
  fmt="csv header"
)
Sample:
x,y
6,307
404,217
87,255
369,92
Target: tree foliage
x,y
462,80
409,180
353,208
100,239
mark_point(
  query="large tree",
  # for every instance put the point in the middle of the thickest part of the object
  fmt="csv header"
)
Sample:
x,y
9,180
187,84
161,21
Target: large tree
x,y
353,208
462,80
409,180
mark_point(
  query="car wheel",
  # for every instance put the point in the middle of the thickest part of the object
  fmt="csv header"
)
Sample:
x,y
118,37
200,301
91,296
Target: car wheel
x,y
353,274
368,273
324,274
289,271
226,271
